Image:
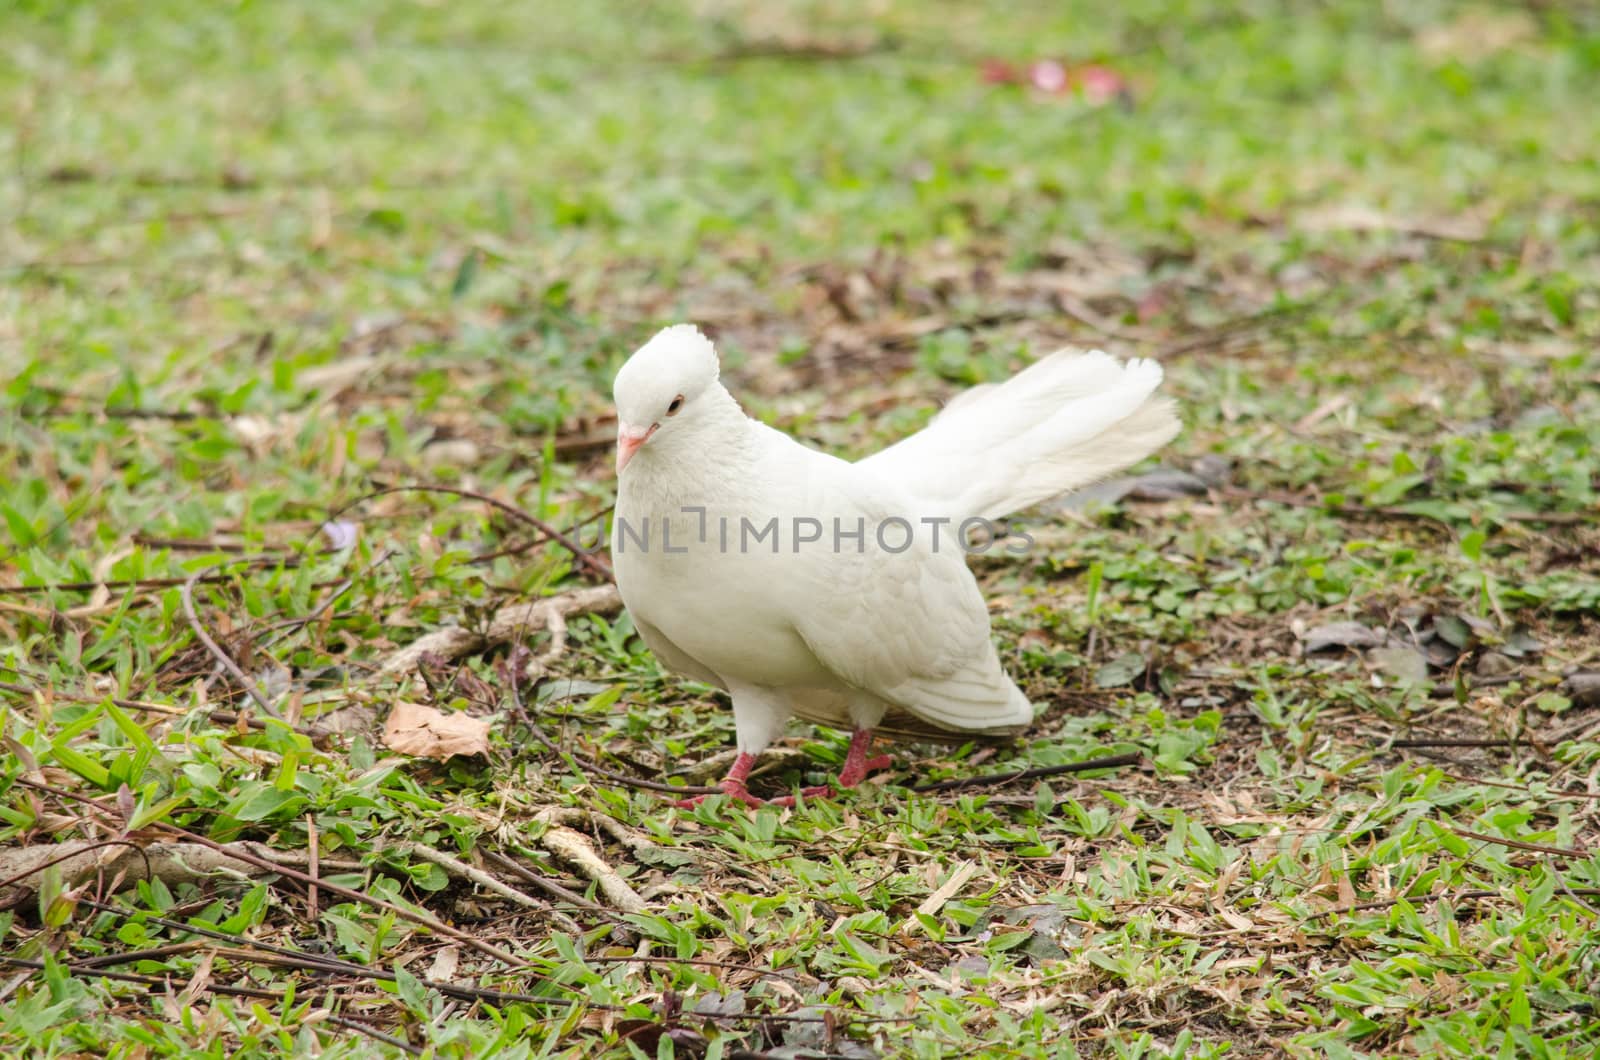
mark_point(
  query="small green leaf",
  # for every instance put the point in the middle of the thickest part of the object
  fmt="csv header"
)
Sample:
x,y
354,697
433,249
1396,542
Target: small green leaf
x,y
466,273
22,531
81,764
1552,702
261,801
1120,671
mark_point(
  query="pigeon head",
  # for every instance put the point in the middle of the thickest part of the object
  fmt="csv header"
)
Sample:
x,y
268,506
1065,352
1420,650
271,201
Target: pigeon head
x,y
657,390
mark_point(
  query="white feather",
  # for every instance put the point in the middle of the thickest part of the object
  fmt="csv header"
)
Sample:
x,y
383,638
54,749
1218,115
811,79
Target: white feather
x,y
1067,421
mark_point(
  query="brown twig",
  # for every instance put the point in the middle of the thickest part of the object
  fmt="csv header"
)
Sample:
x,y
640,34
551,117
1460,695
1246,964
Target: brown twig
x,y
1448,741
334,965
373,1033
184,544
1518,844
1523,788
1393,512
1132,758
1241,326
154,953
595,564
110,412
222,657
1459,896
1446,688
313,868
287,560
460,869
147,980
318,737
549,886
523,546
426,920
288,626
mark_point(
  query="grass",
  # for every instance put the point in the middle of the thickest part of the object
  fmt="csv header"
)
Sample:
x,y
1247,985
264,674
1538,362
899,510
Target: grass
x,y
263,260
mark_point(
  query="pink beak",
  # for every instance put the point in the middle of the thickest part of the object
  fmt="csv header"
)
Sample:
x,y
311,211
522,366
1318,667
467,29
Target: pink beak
x,y
630,440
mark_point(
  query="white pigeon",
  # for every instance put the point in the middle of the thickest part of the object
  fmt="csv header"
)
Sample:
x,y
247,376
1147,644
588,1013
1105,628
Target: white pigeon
x,y
808,586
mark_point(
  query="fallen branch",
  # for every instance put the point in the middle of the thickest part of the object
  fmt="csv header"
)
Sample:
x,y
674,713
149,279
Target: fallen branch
x,y
1382,511
574,816
150,980
320,738
172,863
1517,844
141,584
222,657
351,1023
1132,758
238,851
1441,689
415,916
575,849
459,868
547,885
1525,789
283,956
1459,896
831,1018
1449,741
509,624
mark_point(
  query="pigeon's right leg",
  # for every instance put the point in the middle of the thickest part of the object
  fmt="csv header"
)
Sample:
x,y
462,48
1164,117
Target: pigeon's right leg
x,y
759,715
736,785
865,714
856,763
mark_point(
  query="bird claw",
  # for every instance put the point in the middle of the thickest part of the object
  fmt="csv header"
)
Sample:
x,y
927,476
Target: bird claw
x,y
856,767
849,777
736,789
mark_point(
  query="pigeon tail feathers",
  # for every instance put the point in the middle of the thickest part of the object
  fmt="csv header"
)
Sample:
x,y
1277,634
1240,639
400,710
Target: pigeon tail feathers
x,y
1067,421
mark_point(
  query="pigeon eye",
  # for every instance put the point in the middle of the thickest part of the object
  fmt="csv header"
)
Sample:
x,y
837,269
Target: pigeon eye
x,y
677,403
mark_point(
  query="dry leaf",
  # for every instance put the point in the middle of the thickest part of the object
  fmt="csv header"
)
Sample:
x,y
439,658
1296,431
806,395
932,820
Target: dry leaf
x,y
935,901
1237,921
1359,217
1343,635
443,968
415,729
1406,666
1477,34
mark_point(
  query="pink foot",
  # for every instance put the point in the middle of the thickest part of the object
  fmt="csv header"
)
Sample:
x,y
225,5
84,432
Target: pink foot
x,y
856,763
855,769
734,786
736,789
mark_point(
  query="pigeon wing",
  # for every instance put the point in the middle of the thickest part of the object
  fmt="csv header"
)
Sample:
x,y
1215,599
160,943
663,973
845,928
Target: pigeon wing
x,y
910,628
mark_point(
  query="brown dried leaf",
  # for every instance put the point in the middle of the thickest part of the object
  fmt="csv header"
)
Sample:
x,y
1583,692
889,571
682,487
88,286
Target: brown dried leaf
x,y
1405,666
1477,34
415,729
443,968
1342,635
